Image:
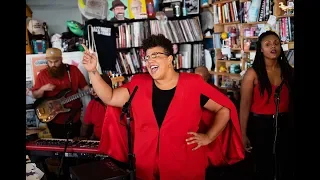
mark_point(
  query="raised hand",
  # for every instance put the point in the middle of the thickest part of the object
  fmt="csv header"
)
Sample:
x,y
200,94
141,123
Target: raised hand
x,y
89,60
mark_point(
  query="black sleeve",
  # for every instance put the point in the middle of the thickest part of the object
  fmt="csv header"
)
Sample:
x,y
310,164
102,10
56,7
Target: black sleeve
x,y
203,100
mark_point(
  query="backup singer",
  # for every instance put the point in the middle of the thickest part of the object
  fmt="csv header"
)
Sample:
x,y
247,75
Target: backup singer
x,y
257,107
94,115
167,110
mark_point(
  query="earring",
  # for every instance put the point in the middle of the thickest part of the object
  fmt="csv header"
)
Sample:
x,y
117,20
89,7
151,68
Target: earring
x,y
169,65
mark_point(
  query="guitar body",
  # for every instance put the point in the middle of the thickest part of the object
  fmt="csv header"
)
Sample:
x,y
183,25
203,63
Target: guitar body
x,y
47,109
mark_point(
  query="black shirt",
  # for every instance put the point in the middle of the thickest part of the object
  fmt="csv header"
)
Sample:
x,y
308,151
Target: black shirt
x,y
105,40
161,100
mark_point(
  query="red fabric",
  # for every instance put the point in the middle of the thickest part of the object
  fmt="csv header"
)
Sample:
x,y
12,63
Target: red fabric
x,y
166,148
78,82
95,113
260,104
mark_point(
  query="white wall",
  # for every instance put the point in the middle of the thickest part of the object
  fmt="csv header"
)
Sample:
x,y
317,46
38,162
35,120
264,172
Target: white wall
x,y
55,13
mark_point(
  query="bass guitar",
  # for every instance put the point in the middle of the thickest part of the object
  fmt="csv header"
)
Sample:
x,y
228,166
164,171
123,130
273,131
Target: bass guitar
x,y
47,109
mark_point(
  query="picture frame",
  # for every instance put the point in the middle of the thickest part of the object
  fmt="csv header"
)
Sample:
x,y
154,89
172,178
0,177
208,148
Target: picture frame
x,y
192,6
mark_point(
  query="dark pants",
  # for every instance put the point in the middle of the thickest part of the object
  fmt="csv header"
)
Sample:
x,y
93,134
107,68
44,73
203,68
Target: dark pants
x,y
60,130
261,135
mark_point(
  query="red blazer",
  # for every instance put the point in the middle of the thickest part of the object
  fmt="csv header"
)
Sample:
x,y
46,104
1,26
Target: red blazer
x,y
165,149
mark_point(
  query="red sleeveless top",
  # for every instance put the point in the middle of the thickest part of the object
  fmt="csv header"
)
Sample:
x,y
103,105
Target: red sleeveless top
x,y
260,104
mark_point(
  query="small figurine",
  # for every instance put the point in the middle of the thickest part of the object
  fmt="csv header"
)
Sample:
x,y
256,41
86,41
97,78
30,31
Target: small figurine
x,y
288,9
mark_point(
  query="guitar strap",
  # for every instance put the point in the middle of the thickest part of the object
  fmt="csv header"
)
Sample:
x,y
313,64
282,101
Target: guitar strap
x,y
68,71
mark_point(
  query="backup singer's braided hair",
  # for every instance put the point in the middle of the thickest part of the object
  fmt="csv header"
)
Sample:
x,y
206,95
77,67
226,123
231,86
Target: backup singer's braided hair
x,y
259,66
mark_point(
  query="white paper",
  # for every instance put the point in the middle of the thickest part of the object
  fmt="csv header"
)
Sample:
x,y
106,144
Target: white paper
x,y
285,47
28,72
272,20
32,172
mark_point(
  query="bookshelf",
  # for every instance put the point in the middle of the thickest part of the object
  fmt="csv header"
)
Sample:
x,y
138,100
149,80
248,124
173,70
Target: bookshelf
x,y
233,16
183,31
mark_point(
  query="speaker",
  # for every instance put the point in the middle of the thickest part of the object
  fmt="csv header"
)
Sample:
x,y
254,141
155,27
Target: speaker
x,y
98,170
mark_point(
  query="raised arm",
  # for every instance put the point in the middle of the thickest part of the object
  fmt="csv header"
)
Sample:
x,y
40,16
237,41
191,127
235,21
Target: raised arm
x,y
114,97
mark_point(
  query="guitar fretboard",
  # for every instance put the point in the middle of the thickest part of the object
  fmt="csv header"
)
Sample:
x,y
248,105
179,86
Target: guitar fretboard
x,y
75,96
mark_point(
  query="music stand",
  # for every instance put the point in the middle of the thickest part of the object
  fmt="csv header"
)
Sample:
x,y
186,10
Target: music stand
x,y
68,124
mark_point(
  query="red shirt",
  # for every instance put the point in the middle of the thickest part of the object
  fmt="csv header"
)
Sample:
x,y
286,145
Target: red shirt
x,y
94,115
78,82
260,104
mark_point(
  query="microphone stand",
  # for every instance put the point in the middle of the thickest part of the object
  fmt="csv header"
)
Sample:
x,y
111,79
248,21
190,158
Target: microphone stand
x,y
277,102
131,156
68,128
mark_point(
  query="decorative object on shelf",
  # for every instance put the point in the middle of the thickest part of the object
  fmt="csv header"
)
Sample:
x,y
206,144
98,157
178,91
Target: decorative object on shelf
x,y
118,10
222,69
235,68
177,11
75,27
29,49
56,41
161,16
95,8
192,6
82,7
150,9
39,46
289,9
137,9
204,3
208,59
35,27
184,9
224,35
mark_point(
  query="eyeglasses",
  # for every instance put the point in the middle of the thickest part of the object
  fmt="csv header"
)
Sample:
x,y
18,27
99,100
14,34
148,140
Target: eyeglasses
x,y
153,56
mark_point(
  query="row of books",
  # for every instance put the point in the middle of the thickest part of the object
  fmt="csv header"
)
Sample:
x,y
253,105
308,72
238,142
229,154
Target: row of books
x,y
225,12
290,56
243,12
178,31
132,34
285,28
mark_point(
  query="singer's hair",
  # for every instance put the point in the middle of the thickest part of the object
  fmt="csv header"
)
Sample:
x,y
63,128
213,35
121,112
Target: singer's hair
x,y
158,41
259,66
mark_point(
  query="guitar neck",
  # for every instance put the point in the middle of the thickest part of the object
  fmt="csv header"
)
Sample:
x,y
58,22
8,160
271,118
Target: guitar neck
x,y
75,96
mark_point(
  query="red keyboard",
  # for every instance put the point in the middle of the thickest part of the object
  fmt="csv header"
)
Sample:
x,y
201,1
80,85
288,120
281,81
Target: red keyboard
x,y
57,145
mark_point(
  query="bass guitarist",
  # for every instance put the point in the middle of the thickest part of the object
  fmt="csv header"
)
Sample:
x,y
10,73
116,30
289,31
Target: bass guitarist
x,y
52,80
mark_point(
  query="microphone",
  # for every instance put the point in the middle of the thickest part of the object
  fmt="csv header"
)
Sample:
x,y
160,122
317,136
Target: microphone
x,y
278,89
127,104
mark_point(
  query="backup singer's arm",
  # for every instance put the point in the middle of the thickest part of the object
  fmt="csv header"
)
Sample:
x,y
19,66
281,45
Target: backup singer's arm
x,y
113,97
246,98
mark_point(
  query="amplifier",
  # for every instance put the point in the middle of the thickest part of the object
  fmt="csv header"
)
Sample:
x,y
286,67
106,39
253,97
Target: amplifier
x,y
98,170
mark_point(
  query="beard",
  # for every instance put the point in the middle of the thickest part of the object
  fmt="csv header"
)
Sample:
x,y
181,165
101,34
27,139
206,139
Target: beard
x,y
120,16
57,72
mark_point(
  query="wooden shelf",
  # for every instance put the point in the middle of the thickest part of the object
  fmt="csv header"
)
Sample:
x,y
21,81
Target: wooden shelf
x,y
235,76
229,61
223,27
230,89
